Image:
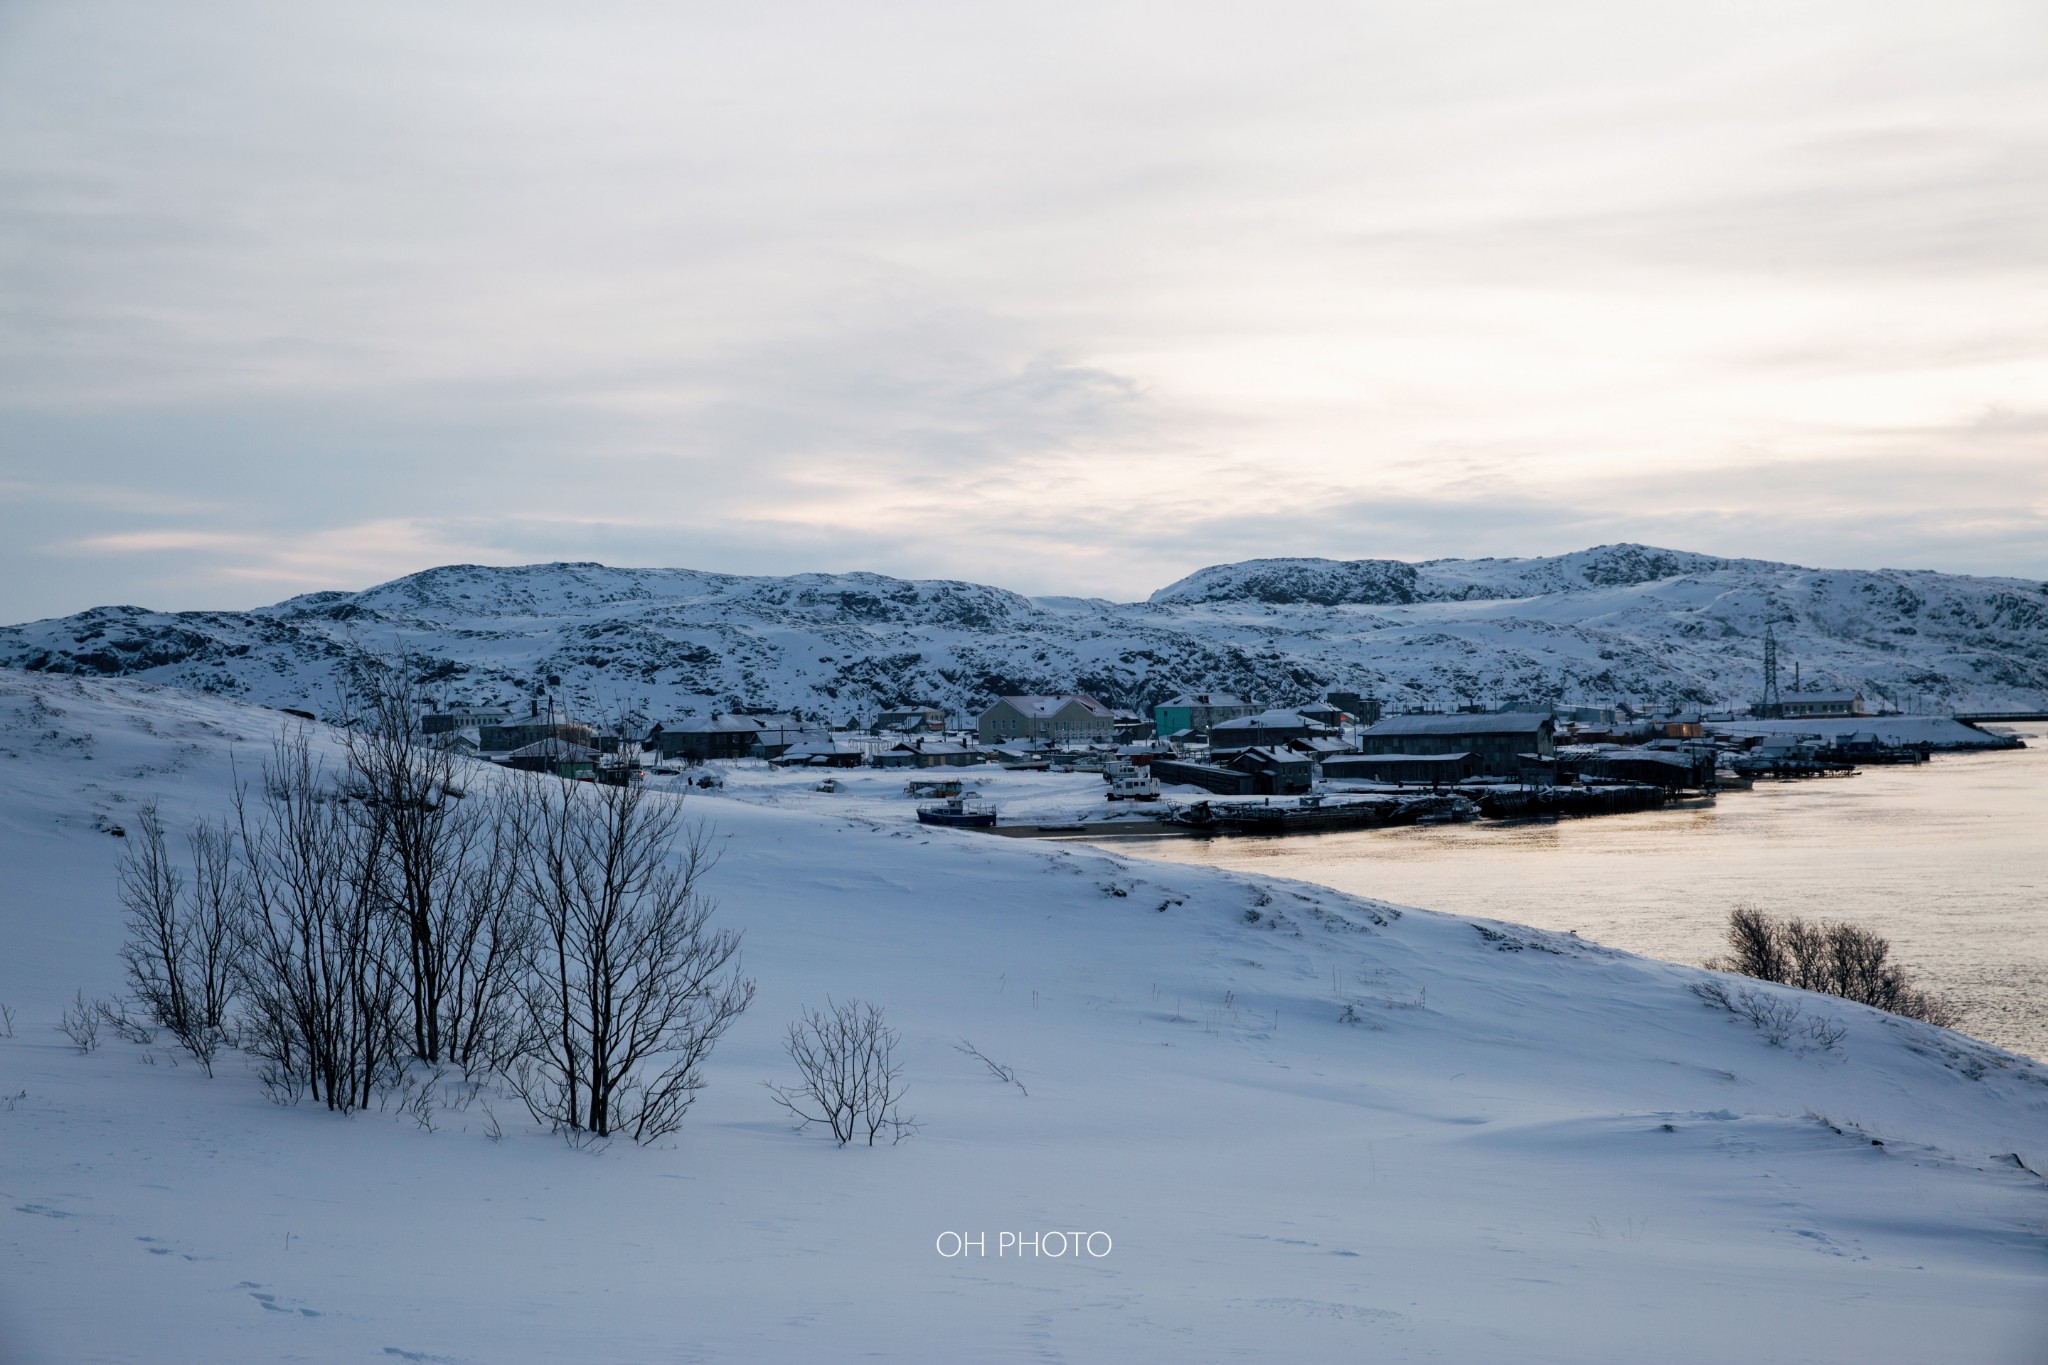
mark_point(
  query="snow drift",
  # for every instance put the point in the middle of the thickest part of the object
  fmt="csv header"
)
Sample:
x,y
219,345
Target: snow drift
x,y
1313,1127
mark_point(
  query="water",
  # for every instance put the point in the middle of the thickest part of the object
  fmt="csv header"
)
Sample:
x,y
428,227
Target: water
x,y
1949,860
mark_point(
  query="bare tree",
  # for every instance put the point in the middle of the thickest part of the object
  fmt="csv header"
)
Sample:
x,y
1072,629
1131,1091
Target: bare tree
x,y
320,968
483,935
630,986
407,787
182,935
848,1076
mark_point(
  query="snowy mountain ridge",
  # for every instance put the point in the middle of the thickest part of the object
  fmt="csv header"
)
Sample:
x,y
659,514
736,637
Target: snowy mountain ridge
x,y
1612,623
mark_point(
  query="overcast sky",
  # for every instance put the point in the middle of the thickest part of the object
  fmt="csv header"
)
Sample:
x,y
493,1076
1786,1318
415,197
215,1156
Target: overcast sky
x,y
1069,298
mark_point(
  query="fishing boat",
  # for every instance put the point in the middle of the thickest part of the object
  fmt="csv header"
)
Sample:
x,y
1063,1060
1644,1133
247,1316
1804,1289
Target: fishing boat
x,y
959,813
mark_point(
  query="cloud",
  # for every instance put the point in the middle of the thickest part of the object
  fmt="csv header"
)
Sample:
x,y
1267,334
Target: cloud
x,y
1074,301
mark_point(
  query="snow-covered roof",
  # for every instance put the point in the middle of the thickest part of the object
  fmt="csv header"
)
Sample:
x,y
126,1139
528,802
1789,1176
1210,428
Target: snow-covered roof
x,y
1399,758
1265,720
936,746
1490,723
1266,755
1040,708
559,749
1191,699
721,725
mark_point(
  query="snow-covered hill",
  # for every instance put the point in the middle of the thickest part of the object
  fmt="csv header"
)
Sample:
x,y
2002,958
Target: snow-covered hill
x,y
1314,1127
1620,622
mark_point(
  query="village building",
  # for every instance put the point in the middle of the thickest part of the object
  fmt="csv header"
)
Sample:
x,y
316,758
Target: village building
x,y
930,753
1276,771
1266,728
1364,710
557,756
1210,777
1432,770
517,732
1322,747
462,716
1198,711
698,739
1131,728
909,720
1496,741
829,753
1801,705
1067,718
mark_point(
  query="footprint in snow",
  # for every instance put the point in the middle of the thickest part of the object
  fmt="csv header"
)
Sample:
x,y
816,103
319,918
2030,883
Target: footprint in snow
x,y
271,1305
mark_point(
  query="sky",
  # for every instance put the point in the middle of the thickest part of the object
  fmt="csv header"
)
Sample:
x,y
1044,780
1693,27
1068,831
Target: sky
x,y
1071,298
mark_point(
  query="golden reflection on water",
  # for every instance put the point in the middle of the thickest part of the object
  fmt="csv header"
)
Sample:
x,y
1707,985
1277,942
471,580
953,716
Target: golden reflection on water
x,y
1949,860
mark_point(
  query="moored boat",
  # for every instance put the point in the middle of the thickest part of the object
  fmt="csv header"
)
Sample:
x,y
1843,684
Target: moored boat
x,y
958,813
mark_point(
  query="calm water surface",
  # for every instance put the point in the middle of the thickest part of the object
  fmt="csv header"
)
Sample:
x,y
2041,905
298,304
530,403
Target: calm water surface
x,y
1949,860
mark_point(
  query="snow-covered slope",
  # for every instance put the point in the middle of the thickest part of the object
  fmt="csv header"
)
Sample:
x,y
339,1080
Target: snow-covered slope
x,y
1315,1128
1621,622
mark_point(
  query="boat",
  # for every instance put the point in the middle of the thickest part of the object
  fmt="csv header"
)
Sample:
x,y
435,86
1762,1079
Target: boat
x,y
958,812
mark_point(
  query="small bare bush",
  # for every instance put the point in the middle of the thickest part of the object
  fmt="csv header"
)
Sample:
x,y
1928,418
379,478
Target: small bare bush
x,y
81,1022
6,1021
1778,1018
848,1076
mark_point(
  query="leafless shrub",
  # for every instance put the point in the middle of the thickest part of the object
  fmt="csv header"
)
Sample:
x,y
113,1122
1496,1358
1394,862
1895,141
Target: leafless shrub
x,y
182,937
1830,957
319,965
126,1027
848,1076
6,1021
1780,1019
1714,992
631,987
81,1022
1008,1075
1826,1032
1773,1016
